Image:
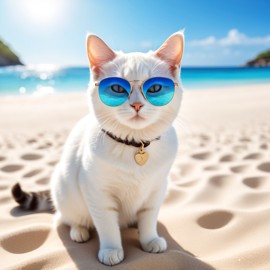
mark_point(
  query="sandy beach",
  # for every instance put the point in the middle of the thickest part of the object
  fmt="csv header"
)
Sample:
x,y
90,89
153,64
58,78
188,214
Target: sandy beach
x,y
216,214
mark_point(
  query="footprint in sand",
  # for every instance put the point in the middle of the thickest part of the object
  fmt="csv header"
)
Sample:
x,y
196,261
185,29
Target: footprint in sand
x,y
240,168
2,158
265,167
254,156
5,199
244,139
215,220
204,137
257,182
25,241
45,146
32,173
222,180
43,180
30,141
3,187
31,156
53,163
11,168
212,168
10,146
227,158
202,156
264,146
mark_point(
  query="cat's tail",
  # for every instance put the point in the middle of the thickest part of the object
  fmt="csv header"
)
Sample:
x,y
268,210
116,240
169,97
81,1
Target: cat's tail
x,y
35,201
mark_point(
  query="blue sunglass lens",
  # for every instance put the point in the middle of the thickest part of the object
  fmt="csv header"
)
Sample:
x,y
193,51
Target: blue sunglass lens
x,y
114,91
159,91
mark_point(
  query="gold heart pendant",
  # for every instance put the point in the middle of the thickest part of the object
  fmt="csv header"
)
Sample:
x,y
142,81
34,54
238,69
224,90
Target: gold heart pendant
x,y
141,158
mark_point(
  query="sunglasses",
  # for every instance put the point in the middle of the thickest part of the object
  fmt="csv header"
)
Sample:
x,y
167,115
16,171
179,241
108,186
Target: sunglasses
x,y
115,91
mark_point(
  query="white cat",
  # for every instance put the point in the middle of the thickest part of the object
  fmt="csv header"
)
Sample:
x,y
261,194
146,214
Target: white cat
x,y
98,182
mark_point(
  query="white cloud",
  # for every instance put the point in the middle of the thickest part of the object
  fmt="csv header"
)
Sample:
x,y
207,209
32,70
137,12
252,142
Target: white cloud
x,y
211,40
234,37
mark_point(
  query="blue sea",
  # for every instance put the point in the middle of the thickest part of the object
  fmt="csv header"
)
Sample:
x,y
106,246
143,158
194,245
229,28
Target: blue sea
x,y
40,80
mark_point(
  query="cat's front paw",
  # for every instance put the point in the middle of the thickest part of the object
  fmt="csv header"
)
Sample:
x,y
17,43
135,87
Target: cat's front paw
x,y
156,245
79,234
111,256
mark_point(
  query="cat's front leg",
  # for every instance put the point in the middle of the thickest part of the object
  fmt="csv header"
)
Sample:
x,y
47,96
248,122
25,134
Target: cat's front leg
x,y
110,251
105,217
147,225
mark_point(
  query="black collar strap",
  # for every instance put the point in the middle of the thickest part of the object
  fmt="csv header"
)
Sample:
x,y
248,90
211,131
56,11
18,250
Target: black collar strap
x,y
127,142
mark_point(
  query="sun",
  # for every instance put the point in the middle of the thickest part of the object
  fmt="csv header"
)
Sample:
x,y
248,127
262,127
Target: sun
x,y
42,11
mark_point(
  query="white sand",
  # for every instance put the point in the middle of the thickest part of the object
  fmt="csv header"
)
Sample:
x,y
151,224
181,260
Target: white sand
x,y
217,211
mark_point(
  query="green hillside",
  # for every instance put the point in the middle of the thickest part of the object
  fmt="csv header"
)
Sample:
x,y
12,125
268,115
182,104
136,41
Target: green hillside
x,y
7,56
264,55
262,60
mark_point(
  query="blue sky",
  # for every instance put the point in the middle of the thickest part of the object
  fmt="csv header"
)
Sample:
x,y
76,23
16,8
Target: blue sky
x,y
218,32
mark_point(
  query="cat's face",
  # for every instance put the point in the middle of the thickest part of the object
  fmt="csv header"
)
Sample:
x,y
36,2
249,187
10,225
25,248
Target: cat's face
x,y
136,113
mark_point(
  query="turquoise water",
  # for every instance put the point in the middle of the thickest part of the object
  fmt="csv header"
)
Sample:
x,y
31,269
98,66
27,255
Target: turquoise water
x,y
44,80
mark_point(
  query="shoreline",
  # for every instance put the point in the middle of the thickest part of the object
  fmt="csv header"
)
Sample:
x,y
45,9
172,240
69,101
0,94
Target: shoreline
x,y
203,87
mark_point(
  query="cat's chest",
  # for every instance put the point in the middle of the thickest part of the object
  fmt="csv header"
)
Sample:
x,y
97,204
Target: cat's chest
x,y
139,161
108,162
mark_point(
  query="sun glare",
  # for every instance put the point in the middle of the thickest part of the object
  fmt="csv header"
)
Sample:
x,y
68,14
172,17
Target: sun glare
x,y
42,11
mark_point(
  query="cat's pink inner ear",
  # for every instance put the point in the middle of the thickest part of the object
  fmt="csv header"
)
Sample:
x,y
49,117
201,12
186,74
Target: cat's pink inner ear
x,y
172,49
98,52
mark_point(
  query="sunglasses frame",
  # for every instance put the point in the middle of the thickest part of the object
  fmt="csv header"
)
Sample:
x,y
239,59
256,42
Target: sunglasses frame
x,y
141,85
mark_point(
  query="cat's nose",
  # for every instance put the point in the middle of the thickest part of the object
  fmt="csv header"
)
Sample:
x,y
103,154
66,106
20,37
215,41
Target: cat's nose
x,y
136,106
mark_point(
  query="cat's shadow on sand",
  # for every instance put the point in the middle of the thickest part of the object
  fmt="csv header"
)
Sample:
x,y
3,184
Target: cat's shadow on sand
x,y
17,211
175,258
84,255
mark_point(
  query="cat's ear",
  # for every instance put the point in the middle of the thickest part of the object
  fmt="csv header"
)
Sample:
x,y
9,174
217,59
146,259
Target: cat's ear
x,y
172,49
98,52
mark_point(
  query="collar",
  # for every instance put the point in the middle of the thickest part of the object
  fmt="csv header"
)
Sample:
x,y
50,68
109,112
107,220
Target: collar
x,y
130,142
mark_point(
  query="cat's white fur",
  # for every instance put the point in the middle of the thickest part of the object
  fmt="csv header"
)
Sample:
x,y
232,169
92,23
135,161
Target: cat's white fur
x,y
97,182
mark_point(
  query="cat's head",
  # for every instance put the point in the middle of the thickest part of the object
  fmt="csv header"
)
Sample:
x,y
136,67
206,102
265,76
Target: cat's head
x,y
136,117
